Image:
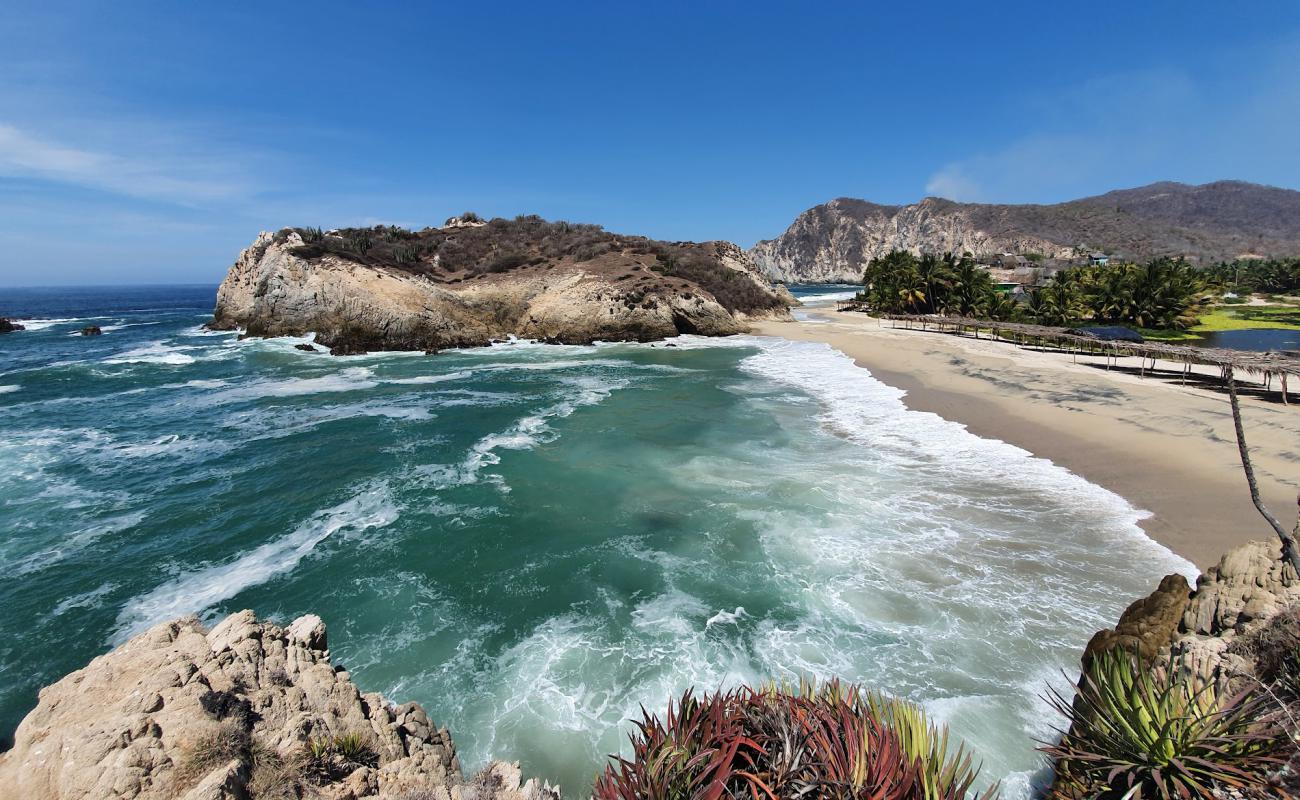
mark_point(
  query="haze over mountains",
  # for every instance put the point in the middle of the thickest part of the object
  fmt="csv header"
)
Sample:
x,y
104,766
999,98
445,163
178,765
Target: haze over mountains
x,y
1212,222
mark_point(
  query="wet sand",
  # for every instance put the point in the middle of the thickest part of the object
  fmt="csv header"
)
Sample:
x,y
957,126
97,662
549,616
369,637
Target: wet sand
x,y
1168,449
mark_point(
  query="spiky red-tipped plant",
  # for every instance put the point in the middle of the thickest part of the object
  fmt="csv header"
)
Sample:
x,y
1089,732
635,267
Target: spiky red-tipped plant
x,y
831,742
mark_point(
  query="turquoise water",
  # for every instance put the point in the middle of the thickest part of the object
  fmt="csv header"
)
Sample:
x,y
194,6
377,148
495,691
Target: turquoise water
x,y
533,540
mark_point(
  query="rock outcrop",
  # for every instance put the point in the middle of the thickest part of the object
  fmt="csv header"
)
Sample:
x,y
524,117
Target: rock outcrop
x,y
247,710
834,242
9,326
472,282
1250,586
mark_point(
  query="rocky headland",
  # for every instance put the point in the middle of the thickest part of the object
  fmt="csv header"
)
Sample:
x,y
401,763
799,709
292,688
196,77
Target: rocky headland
x,y
471,282
833,242
245,711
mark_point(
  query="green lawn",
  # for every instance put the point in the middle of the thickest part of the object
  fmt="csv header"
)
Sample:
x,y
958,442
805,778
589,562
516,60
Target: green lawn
x,y
1235,318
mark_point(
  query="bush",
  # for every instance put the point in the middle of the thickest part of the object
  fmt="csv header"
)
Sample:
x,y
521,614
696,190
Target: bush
x,y
734,291
1272,647
228,705
219,746
330,758
829,742
1156,733
506,262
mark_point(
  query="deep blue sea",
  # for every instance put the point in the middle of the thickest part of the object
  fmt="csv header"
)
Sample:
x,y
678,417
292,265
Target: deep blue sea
x,y
534,540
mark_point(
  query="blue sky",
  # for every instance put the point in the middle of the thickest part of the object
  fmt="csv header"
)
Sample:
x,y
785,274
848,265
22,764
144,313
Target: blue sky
x,y
150,141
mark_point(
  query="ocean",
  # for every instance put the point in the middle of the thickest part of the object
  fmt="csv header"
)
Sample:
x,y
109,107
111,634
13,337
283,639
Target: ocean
x,y
534,541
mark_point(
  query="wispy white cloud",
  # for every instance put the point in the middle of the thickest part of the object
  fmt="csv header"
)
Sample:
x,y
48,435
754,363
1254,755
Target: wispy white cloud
x,y
1133,127
185,175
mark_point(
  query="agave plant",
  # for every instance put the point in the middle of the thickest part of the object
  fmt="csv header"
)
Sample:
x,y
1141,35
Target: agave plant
x,y
833,741
1138,732
330,758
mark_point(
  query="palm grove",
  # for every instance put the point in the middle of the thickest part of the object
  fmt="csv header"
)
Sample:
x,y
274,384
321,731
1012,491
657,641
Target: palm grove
x,y
1163,293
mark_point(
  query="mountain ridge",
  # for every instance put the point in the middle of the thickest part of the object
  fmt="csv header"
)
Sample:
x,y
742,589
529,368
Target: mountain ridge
x,y
1206,223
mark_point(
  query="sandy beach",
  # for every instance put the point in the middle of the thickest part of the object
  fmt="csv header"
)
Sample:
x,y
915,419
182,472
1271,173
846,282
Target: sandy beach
x,y
1167,448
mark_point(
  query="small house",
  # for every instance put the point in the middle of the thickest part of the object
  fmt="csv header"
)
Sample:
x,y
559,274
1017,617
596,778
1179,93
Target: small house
x,y
1098,259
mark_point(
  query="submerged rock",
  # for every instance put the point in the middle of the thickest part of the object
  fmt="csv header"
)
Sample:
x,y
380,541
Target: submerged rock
x,y
181,712
305,347
91,330
9,326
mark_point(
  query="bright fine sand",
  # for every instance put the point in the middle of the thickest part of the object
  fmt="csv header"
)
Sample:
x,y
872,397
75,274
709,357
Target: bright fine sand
x,y
1168,449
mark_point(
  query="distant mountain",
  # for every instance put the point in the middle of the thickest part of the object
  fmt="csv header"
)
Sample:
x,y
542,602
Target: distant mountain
x,y
1207,223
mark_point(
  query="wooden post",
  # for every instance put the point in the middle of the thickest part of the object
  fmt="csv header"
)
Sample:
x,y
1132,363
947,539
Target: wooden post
x,y
1285,401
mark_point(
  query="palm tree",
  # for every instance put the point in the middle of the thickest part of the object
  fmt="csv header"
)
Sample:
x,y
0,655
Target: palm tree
x,y
1289,550
936,277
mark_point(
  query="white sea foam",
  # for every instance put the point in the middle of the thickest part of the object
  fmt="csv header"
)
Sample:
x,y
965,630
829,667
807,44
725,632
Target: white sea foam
x,y
155,353
11,387
42,324
201,589
349,379
421,380
73,542
862,408
90,599
117,327
526,433
725,617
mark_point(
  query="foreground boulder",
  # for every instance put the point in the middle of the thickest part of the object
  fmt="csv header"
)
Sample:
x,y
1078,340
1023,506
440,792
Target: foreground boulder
x,y
1249,587
468,283
247,710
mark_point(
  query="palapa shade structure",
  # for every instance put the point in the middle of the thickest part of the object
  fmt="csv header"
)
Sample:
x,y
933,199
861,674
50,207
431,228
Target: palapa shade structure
x,y
1263,366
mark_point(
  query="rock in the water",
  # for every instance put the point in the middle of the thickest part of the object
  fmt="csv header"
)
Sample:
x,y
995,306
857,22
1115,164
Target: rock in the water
x,y
305,347
180,712
91,330
472,282
9,326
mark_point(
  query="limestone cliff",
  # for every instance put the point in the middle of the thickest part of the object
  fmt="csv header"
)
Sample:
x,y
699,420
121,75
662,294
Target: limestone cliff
x,y
245,711
466,284
834,241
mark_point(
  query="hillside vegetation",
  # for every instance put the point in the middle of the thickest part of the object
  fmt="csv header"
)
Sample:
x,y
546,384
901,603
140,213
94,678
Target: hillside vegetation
x,y
475,249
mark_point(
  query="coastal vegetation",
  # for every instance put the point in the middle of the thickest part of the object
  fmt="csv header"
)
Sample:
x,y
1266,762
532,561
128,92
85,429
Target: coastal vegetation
x,y
1163,293
474,248
1166,299
1161,732
1264,276
829,741
469,251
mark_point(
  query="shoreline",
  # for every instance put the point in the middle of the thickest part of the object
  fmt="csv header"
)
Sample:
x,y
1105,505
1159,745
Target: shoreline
x,y
1168,449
